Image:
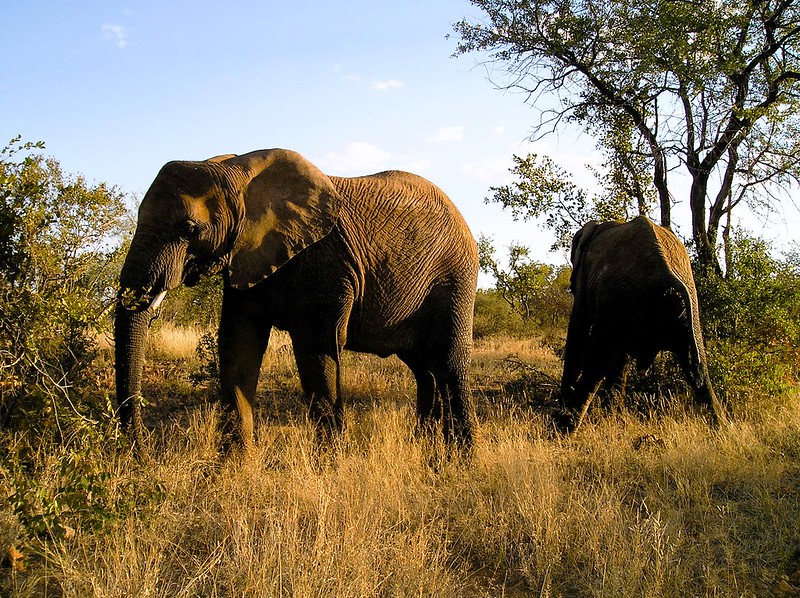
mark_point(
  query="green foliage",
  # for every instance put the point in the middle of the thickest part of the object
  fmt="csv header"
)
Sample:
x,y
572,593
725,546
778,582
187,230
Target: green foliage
x,y
208,356
751,320
58,264
706,87
544,190
493,315
537,292
625,176
197,306
59,491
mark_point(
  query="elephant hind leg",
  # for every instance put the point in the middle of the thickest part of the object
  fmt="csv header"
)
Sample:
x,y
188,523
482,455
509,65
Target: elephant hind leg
x,y
458,418
702,390
429,405
444,404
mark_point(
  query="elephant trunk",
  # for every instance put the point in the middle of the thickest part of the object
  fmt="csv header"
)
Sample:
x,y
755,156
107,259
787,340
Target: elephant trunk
x,y
130,335
146,275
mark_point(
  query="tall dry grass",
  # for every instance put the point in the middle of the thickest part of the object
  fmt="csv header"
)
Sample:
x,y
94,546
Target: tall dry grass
x,y
171,342
628,506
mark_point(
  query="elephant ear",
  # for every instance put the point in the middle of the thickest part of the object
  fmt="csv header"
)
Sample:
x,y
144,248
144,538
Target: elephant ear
x,y
287,204
580,242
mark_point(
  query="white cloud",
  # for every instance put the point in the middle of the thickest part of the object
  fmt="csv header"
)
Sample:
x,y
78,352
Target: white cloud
x,y
499,129
449,134
413,164
356,158
359,158
387,85
489,170
116,33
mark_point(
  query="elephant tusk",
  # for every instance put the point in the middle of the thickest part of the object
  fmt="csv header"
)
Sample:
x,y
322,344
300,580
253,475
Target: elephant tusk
x,y
157,300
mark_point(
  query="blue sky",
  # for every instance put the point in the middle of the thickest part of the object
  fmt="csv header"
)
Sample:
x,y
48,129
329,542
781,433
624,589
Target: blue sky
x,y
116,89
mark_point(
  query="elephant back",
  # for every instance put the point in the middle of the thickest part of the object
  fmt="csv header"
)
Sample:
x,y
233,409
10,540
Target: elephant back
x,y
410,214
583,253
674,254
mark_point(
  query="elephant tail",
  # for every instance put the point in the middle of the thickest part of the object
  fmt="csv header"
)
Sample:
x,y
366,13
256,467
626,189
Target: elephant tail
x,y
684,305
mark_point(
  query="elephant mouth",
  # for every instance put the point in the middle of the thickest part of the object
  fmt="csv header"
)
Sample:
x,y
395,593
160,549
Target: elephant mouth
x,y
191,274
150,298
139,299
196,268
131,301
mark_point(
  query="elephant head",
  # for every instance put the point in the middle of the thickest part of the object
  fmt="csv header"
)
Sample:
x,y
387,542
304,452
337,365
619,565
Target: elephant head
x,y
244,216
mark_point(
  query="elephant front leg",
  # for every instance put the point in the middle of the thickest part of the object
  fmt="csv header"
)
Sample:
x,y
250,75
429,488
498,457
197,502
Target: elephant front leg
x,y
603,353
574,349
243,339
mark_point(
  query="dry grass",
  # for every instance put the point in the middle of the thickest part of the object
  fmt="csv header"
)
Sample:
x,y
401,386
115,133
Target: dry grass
x,y
628,506
170,342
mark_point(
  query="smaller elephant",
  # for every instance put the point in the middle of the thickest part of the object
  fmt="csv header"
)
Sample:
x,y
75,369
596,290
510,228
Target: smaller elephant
x,y
634,296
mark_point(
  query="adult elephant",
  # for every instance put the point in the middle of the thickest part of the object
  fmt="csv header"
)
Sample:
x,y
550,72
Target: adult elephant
x,y
382,264
634,296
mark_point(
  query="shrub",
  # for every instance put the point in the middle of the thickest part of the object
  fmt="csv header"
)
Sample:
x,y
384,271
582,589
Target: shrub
x,y
538,293
207,371
59,240
751,319
56,491
493,315
198,306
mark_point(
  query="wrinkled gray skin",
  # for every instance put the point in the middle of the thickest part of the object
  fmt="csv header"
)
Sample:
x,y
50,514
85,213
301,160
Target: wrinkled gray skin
x,y
634,296
381,264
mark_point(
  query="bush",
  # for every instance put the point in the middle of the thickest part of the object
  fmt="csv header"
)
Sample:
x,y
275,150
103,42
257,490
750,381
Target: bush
x,y
538,293
751,320
59,254
198,306
493,315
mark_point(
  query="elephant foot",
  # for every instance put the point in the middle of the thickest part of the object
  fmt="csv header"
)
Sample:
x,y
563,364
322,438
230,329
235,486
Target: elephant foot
x,y
234,443
442,455
232,448
564,422
137,435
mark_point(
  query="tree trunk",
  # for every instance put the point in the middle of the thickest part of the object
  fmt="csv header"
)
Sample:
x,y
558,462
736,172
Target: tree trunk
x,y
704,243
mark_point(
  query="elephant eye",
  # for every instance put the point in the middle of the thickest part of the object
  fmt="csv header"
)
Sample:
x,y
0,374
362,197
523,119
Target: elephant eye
x,y
188,230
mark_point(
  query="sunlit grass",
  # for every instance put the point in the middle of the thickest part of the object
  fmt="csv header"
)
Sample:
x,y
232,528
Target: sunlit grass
x,y
170,342
628,506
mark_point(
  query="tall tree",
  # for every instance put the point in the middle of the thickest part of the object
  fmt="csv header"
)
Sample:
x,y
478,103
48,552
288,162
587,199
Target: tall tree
x,y
704,86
